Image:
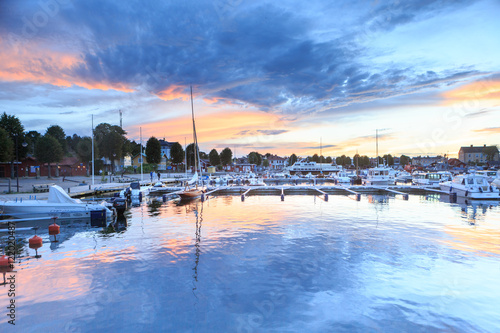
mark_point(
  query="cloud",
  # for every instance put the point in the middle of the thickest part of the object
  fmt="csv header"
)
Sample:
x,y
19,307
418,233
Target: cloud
x,y
259,54
492,130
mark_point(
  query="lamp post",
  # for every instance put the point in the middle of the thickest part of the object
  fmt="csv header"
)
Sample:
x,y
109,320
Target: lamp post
x,y
24,144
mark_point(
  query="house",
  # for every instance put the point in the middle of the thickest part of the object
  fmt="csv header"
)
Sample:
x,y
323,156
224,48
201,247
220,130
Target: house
x,y
456,163
427,161
136,160
478,154
276,162
166,147
243,167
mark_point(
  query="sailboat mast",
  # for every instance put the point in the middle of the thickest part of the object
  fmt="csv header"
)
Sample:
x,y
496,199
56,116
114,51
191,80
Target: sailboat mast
x,y
197,164
376,138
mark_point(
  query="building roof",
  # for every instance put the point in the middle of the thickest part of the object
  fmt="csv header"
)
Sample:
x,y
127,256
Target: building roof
x,y
478,149
166,144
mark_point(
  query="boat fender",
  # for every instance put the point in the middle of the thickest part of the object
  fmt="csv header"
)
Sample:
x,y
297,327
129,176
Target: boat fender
x,y
481,189
466,193
140,196
491,188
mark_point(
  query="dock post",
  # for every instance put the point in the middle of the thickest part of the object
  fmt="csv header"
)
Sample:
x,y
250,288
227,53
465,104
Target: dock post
x,y
406,196
326,196
358,197
202,197
282,194
242,197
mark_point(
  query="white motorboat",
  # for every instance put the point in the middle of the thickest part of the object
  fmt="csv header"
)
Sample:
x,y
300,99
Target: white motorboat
x,y
342,177
60,205
380,175
135,190
471,186
314,168
490,175
431,178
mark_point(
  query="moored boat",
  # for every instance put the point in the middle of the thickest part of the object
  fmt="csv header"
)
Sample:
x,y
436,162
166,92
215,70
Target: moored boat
x,y
471,186
60,205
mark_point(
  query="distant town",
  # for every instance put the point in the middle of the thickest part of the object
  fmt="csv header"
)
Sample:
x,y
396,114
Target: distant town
x,y
31,154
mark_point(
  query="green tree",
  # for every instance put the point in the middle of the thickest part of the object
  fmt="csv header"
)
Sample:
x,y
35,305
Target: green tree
x,y
315,158
110,141
491,152
389,159
6,146
255,158
328,160
31,138
404,160
15,129
48,150
265,163
214,157
57,133
190,152
177,153
84,151
226,156
292,159
153,151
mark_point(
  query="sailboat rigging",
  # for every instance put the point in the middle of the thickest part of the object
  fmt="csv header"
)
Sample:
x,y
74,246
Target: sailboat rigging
x,y
190,192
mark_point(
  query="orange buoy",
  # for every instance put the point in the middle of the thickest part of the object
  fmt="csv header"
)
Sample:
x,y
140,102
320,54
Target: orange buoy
x,y
6,261
35,242
54,229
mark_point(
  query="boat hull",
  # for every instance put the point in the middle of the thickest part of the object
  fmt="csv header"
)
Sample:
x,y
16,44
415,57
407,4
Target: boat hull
x,y
465,193
190,194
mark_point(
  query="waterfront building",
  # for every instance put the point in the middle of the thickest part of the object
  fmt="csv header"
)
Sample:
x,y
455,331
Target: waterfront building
x,y
478,154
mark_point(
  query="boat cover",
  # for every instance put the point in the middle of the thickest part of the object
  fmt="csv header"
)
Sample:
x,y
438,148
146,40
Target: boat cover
x,y
58,195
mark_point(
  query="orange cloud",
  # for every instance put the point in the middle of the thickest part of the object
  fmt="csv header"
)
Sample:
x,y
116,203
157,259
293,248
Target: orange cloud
x,y
492,130
174,92
209,127
28,62
480,90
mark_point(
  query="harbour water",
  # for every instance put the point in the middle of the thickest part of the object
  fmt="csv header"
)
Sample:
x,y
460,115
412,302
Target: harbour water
x,y
302,265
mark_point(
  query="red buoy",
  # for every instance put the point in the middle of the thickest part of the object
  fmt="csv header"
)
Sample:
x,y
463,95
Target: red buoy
x,y
54,229
6,261
35,242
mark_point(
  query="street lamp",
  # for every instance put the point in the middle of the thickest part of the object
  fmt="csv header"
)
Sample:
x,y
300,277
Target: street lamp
x,y
24,144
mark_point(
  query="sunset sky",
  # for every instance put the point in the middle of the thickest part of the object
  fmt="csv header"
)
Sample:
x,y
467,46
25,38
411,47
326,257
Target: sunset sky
x,y
267,76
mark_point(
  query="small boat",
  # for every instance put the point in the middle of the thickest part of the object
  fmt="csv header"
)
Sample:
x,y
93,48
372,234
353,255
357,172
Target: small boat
x,y
60,205
471,186
431,178
135,190
342,177
380,175
490,175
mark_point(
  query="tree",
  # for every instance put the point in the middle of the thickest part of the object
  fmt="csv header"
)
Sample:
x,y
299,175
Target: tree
x,y
315,158
404,160
491,152
6,146
153,151
15,129
31,138
328,160
214,157
72,142
292,159
110,140
388,159
226,156
190,152
255,158
57,133
84,151
177,153
265,163
48,150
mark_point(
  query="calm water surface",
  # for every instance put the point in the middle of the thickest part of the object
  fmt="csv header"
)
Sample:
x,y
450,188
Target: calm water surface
x,y
262,265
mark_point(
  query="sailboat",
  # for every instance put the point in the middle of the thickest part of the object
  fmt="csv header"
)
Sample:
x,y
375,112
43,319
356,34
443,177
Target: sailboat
x,y
191,190
381,174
